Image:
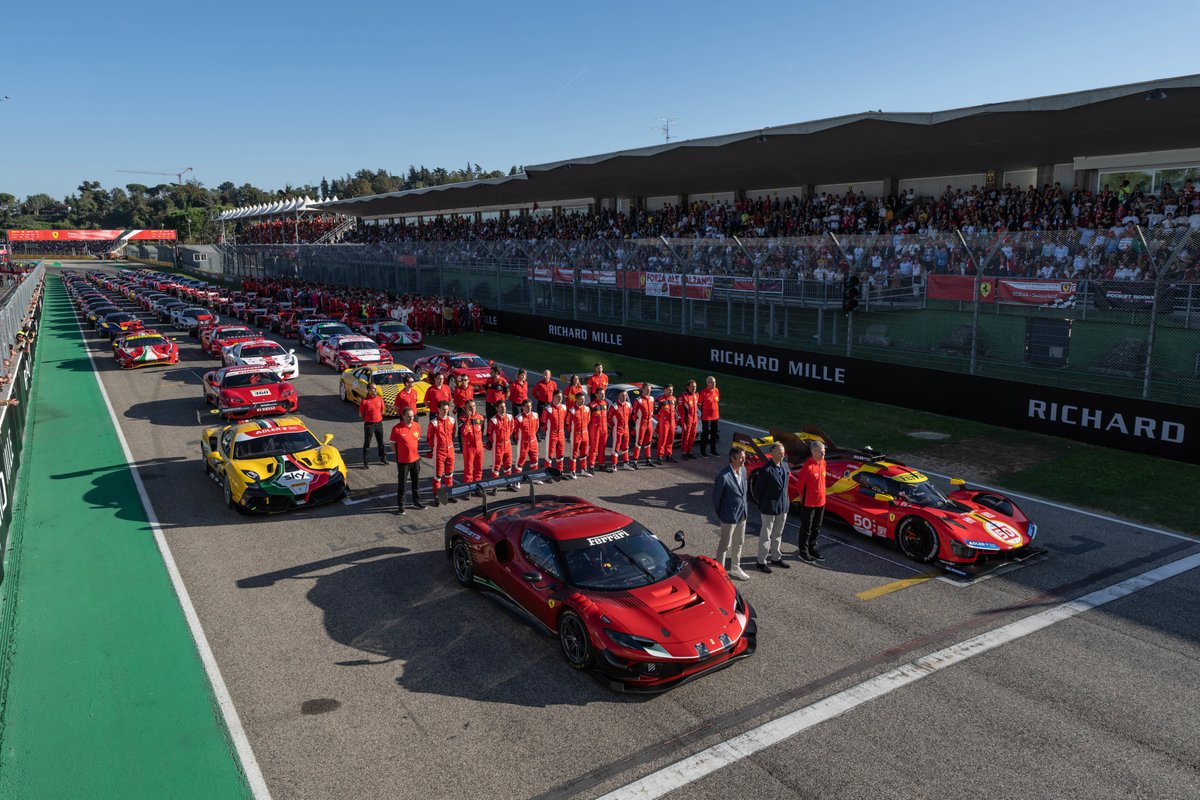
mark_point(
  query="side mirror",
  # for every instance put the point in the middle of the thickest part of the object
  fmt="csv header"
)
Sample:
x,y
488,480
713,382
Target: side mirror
x,y
216,457
327,438
532,577
959,482
292,352
679,538
884,498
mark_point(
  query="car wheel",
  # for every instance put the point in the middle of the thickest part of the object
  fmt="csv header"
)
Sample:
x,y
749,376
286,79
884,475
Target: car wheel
x,y
227,492
342,391
463,563
574,640
917,539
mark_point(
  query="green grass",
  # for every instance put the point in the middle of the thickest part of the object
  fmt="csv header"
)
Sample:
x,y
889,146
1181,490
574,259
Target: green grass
x,y
1126,484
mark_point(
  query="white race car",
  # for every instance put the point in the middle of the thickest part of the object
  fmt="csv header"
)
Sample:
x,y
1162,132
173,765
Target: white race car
x,y
347,351
262,352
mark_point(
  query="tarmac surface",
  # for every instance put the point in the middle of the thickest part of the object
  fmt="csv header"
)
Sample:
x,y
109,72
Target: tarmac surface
x,y
359,668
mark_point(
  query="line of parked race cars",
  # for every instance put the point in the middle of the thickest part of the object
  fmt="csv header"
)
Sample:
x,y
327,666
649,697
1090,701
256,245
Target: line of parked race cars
x,y
619,601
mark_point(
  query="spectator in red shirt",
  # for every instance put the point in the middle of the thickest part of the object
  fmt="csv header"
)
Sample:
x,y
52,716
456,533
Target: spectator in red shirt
x,y
518,390
811,499
543,393
370,410
597,382
436,393
710,415
406,436
407,397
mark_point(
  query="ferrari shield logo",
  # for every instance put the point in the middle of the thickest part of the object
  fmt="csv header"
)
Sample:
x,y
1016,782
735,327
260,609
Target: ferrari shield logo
x,y
985,289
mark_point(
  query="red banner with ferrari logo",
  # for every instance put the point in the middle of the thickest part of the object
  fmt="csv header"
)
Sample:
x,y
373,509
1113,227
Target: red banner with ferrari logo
x,y
88,236
960,287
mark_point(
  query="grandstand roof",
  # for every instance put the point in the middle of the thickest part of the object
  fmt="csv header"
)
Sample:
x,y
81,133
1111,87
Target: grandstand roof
x,y
1137,117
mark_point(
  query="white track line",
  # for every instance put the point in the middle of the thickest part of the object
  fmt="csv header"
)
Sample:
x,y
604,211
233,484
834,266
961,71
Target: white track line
x,y
233,723
710,760
1035,499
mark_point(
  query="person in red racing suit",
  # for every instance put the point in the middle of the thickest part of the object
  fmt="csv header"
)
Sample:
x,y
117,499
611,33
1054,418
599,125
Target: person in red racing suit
x,y
471,428
556,431
578,420
597,433
643,418
440,435
689,415
528,424
619,416
500,434
667,413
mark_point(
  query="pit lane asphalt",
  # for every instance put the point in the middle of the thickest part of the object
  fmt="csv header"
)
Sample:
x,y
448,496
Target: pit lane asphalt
x,y
360,669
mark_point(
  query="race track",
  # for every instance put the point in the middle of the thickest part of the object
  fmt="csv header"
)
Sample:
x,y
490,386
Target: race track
x,y
360,669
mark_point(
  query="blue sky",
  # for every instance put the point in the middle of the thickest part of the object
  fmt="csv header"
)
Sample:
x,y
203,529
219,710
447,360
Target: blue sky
x,y
273,93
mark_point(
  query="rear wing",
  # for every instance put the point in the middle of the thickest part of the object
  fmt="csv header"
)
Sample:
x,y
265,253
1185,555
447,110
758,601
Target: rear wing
x,y
467,489
796,447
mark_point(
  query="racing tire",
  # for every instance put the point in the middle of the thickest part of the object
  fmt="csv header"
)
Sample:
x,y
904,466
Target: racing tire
x,y
917,539
342,392
227,493
575,642
462,563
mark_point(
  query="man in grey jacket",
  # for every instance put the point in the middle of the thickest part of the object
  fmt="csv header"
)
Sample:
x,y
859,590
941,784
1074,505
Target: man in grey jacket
x,y
771,491
729,504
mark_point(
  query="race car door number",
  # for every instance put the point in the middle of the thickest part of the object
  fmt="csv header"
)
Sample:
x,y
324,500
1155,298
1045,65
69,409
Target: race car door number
x,y
864,524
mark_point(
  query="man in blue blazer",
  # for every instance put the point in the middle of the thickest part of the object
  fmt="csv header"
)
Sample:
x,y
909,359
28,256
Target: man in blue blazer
x,y
729,504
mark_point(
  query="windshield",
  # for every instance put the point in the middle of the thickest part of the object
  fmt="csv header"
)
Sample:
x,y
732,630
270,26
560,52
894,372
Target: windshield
x,y
263,350
244,379
193,312
278,445
357,345
394,327
471,362
332,330
122,317
622,559
233,334
923,493
389,378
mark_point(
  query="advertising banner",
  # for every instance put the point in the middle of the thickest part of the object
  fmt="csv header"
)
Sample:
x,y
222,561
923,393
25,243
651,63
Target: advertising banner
x,y
960,287
767,286
88,236
669,284
1128,423
1038,293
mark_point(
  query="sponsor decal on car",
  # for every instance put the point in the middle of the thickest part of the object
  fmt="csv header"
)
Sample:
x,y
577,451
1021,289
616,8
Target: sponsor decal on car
x,y
608,537
983,545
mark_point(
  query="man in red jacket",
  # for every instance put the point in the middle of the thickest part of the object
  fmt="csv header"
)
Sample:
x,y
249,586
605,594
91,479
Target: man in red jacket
x,y
370,410
518,390
689,416
710,415
619,416
555,421
406,436
597,382
811,498
438,392
407,397
643,417
495,391
500,432
579,419
528,424
471,426
440,435
543,393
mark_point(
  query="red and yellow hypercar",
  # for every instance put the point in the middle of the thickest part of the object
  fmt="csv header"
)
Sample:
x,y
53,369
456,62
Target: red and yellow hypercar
x,y
884,499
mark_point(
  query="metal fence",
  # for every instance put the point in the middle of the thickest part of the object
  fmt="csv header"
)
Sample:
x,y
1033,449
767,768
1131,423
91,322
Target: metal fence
x,y
1117,313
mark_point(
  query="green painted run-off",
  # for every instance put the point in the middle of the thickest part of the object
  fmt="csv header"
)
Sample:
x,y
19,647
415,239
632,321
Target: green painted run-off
x,y
107,697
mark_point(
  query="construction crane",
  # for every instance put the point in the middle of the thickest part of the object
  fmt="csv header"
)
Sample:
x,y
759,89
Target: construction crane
x,y
178,175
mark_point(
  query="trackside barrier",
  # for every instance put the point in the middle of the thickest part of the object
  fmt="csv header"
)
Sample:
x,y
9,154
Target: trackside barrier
x,y
13,418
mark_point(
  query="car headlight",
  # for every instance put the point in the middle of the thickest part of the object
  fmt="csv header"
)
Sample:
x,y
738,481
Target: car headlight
x,y
641,643
251,474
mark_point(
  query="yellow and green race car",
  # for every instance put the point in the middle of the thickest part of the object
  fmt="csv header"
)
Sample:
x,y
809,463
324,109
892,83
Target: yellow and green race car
x,y
389,379
269,465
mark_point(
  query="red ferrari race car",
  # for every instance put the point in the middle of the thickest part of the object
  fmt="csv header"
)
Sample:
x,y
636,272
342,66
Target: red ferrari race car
x,y
454,364
142,349
212,340
616,598
884,499
244,392
393,335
